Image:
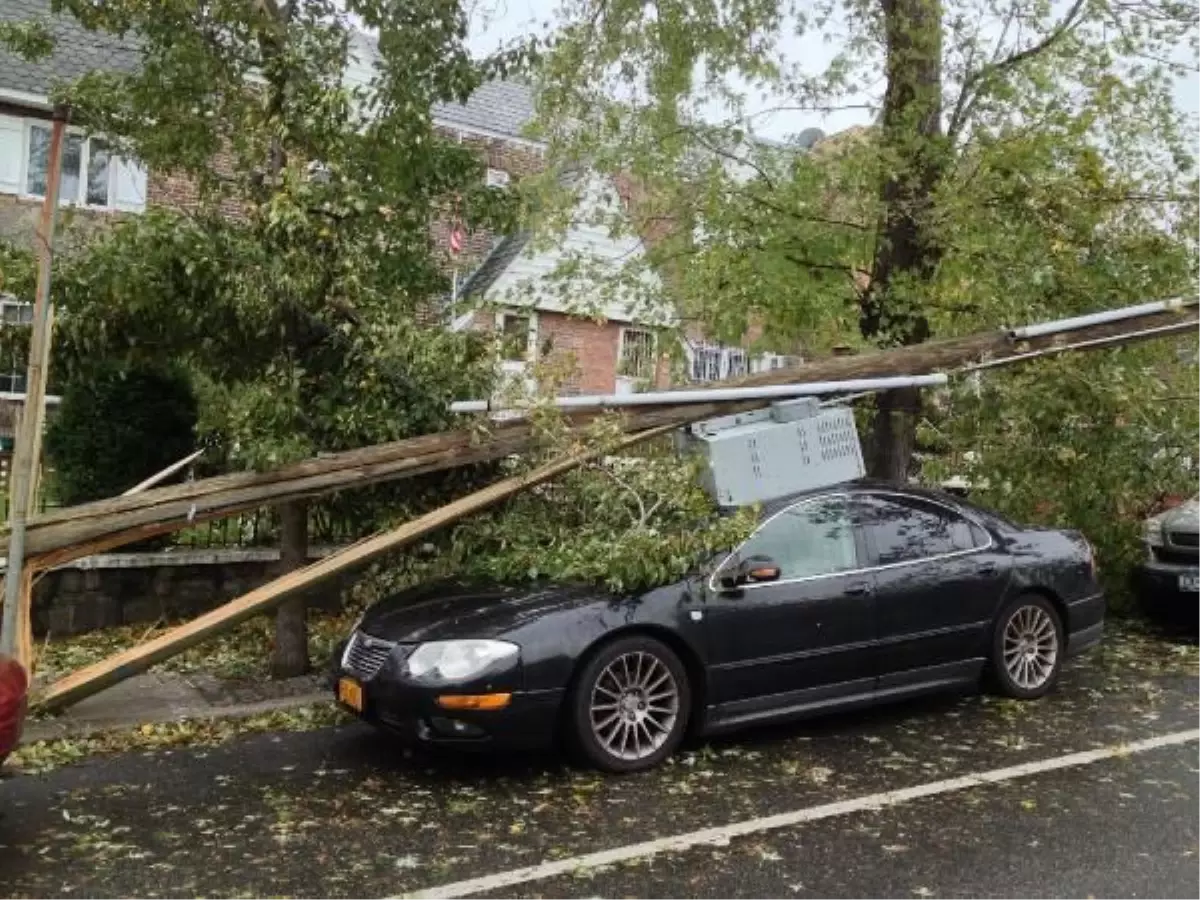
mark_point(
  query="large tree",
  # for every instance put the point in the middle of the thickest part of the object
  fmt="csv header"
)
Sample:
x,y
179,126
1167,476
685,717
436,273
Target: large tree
x,y
293,286
1021,159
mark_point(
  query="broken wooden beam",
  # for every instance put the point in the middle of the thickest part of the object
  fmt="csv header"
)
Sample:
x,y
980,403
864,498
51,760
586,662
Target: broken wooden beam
x,y
61,535
96,677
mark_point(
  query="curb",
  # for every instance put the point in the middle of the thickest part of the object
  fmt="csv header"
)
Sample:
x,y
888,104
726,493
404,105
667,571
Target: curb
x,y
51,730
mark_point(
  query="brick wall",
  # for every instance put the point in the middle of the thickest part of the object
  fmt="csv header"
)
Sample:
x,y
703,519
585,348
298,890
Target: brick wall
x,y
592,347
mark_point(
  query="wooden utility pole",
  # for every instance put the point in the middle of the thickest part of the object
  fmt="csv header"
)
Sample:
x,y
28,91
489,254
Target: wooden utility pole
x,y
17,583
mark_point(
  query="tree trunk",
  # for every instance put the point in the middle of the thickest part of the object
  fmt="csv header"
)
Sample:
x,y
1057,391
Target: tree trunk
x,y
914,151
893,434
290,656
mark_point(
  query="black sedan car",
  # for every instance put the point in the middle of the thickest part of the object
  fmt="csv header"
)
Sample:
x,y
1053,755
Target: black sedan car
x,y
845,596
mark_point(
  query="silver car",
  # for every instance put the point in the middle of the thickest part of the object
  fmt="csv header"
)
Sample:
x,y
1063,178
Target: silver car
x,y
1168,581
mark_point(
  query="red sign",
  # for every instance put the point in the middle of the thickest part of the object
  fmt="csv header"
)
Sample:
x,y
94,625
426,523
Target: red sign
x,y
456,240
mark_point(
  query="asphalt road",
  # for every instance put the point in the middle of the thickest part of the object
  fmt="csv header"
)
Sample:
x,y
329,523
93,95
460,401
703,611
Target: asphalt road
x,y
341,812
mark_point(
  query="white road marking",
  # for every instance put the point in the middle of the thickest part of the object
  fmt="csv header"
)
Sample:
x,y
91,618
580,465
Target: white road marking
x,y
722,834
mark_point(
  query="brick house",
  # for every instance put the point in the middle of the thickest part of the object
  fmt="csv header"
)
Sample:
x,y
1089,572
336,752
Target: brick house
x,y
613,349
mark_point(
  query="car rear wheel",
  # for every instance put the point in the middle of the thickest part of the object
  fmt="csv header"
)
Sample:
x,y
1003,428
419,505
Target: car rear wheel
x,y
630,705
1027,648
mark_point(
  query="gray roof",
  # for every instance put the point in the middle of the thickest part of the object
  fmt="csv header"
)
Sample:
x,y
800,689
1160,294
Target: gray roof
x,y
76,50
494,264
503,107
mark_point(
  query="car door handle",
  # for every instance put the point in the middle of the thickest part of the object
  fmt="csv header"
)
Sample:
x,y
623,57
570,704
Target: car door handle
x,y
988,569
863,589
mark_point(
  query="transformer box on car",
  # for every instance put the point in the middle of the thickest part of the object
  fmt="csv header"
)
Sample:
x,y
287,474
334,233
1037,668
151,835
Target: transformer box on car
x,y
789,447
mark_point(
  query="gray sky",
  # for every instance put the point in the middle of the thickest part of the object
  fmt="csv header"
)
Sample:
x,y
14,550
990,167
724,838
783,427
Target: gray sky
x,y
498,21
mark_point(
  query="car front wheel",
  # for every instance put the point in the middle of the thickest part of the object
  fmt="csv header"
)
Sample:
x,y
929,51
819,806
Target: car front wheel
x,y
631,705
1027,648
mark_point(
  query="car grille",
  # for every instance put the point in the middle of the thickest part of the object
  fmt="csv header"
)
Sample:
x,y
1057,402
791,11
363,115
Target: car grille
x,y
365,655
1176,555
1184,538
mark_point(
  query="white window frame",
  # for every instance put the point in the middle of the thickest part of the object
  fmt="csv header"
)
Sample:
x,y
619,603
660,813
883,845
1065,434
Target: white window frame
x,y
513,365
9,387
80,200
497,177
622,343
518,370
726,357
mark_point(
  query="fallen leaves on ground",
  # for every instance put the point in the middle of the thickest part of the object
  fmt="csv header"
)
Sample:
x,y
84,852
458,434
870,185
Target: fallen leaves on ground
x,y
43,756
241,653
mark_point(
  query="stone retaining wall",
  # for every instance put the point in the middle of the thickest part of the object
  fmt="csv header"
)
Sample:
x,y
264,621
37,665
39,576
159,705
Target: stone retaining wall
x,y
126,588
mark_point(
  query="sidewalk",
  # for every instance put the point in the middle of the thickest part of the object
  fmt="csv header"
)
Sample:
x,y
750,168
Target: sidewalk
x,y
155,697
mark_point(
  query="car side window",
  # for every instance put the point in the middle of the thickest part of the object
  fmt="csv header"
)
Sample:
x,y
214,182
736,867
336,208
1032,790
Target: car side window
x,y
810,538
908,529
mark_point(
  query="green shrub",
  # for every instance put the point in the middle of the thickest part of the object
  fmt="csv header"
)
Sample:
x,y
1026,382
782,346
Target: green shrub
x,y
117,427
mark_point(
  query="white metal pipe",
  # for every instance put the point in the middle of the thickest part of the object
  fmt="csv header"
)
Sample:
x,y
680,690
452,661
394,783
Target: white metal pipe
x,y
1109,315
165,473
711,395
1158,331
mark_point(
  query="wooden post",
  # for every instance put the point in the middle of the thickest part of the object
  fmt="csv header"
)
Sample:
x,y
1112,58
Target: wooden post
x,y
28,442
96,677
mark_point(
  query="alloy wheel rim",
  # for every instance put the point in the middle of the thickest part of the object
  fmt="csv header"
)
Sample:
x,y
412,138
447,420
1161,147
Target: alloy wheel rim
x,y
1030,647
634,705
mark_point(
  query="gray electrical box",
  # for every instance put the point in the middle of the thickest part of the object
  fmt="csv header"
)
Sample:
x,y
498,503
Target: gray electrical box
x,y
790,446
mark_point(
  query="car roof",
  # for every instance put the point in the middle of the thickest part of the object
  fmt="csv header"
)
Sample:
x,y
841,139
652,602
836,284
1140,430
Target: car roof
x,y
867,485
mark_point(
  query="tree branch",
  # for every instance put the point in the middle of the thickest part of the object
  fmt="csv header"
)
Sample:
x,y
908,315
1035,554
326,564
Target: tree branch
x,y
800,217
973,81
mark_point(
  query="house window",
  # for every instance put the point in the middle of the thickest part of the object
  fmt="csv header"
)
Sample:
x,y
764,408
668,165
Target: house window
x,y
736,365
12,374
515,336
636,358
497,178
92,176
14,312
714,362
706,363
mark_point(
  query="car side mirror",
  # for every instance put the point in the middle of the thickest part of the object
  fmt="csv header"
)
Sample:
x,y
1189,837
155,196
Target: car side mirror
x,y
753,569
759,568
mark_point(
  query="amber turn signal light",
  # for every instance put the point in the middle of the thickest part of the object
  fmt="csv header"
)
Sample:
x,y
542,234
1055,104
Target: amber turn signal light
x,y
474,701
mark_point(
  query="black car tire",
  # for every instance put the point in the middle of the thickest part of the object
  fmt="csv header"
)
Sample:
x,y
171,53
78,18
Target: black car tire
x,y
593,750
1028,618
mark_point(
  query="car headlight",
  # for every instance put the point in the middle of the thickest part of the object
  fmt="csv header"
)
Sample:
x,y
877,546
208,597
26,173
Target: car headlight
x,y
1153,532
449,661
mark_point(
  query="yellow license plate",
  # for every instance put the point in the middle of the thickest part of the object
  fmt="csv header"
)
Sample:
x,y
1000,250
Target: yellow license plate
x,y
350,692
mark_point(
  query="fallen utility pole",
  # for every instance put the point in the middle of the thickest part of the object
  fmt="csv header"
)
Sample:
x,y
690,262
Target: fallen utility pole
x,y
959,355
62,535
91,679
15,634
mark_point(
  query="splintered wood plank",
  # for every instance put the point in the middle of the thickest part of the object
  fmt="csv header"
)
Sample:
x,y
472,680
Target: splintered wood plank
x,y
107,672
66,534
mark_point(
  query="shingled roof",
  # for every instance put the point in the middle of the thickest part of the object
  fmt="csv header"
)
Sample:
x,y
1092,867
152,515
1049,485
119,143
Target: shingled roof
x,y
76,50
503,107
499,107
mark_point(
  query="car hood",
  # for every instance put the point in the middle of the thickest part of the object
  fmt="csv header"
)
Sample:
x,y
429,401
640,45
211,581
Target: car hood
x,y
451,609
1185,517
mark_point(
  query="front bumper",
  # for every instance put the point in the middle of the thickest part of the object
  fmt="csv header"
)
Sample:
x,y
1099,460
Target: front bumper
x,y
1159,589
411,712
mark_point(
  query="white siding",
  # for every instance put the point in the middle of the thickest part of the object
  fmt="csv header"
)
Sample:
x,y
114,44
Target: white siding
x,y
525,279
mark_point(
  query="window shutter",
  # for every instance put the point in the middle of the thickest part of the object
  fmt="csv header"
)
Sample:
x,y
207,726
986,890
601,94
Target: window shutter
x,y
12,154
129,186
